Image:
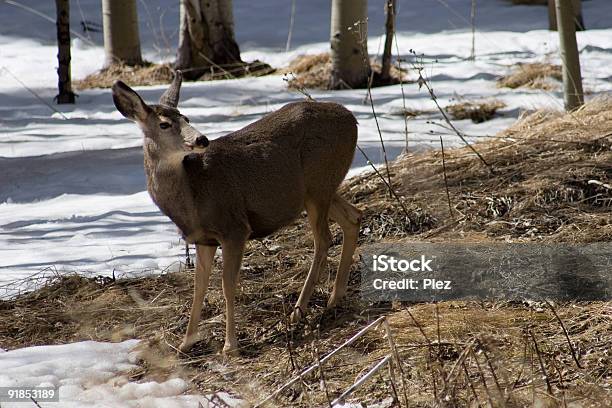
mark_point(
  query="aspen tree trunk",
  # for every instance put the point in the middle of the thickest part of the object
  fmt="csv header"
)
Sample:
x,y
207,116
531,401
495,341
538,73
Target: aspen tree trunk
x,y
206,37
552,15
349,48
121,39
572,78
385,72
64,84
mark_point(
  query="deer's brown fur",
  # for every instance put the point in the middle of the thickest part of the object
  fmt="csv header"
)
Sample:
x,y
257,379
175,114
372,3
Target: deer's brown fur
x,y
249,184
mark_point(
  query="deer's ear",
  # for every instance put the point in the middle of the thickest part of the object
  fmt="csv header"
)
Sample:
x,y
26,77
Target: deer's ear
x,y
129,103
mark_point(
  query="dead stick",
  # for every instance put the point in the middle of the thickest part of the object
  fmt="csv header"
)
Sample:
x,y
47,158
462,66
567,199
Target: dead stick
x,y
434,98
362,380
308,370
392,380
469,380
401,81
322,373
569,342
37,96
490,365
398,361
430,351
382,142
460,360
483,379
541,361
389,187
450,207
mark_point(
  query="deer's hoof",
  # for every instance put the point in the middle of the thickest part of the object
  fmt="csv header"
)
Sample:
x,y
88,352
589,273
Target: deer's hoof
x,y
230,350
296,316
185,347
334,300
187,344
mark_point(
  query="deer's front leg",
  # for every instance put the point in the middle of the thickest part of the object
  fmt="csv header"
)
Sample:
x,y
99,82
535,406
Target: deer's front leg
x,y
232,258
204,262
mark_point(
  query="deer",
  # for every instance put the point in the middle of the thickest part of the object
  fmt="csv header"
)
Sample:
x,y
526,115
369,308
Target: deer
x,y
246,185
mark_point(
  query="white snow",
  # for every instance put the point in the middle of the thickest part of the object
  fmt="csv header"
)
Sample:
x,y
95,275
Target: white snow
x,y
94,375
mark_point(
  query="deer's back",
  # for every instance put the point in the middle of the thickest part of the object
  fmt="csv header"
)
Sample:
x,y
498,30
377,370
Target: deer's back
x,y
268,169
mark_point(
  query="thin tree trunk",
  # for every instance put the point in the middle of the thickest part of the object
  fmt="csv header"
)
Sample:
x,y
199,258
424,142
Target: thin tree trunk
x,y
577,9
206,37
385,72
64,84
349,48
121,38
291,23
572,78
473,24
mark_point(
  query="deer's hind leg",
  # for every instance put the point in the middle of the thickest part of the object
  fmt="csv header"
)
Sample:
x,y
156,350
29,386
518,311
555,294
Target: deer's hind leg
x,y
232,251
318,214
204,263
349,219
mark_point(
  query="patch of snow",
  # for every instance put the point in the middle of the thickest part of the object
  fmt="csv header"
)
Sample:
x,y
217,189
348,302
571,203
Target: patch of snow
x,y
94,375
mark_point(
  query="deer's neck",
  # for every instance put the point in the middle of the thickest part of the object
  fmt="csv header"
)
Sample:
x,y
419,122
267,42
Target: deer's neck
x,y
168,186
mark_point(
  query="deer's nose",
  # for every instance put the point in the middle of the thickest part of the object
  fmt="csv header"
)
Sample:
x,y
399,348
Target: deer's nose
x,y
201,141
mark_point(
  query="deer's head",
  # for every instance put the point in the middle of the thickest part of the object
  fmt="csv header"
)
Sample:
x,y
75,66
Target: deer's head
x,y
163,123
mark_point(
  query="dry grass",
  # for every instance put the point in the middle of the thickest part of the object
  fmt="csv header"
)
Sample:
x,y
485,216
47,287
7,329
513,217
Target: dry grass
x,y
140,75
537,75
157,74
540,191
477,111
314,72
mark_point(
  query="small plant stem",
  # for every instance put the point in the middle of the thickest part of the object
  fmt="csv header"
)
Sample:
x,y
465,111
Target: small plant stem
x,y
541,361
483,379
450,207
469,380
434,98
382,142
389,187
401,81
569,342
34,93
321,372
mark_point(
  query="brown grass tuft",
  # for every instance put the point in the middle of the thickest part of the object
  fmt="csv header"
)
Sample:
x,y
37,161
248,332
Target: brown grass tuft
x,y
140,75
536,75
314,72
157,74
477,111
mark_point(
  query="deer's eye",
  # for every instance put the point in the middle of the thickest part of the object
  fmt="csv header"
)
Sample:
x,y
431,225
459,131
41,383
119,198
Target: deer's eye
x,y
164,125
186,119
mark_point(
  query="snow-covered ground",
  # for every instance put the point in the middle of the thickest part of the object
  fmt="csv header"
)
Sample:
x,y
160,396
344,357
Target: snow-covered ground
x,y
72,190
95,375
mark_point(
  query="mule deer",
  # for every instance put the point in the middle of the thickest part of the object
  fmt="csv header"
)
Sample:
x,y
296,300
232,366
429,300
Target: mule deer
x,y
246,185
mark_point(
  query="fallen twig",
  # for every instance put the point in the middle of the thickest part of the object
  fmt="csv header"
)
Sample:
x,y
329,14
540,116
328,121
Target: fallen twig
x,y
363,379
310,369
